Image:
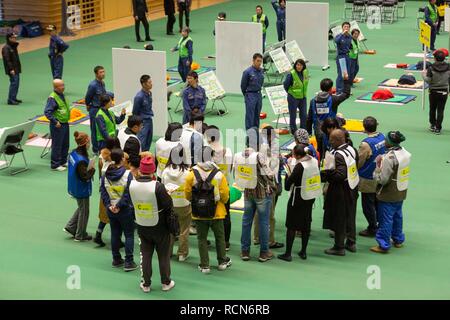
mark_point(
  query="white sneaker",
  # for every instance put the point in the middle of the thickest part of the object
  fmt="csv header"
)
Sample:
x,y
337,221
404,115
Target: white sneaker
x,y
167,287
65,165
204,269
182,258
60,168
224,265
192,231
144,288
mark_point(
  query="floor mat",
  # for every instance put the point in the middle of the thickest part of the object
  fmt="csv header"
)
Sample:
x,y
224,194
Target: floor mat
x,y
398,99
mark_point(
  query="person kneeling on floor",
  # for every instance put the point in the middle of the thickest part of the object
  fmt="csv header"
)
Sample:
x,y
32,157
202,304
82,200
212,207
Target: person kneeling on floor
x,y
153,209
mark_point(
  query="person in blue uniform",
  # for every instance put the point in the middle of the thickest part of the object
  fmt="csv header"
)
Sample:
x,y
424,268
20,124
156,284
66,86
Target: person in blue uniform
x,y
55,52
185,47
143,107
296,85
343,44
260,17
194,97
57,111
251,85
280,10
92,99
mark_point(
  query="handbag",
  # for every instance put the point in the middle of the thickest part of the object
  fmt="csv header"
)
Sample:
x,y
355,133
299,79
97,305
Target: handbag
x,y
172,223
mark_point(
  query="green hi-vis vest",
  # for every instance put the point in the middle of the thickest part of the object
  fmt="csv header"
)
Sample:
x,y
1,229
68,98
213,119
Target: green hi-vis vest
x,y
299,88
433,12
110,125
184,52
353,53
62,114
262,20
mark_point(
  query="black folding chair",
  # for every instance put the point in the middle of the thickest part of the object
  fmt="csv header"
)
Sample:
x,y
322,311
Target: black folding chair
x,y
11,147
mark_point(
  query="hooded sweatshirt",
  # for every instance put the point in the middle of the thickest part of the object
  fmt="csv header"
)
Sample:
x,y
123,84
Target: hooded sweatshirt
x,y
11,59
438,76
178,177
114,174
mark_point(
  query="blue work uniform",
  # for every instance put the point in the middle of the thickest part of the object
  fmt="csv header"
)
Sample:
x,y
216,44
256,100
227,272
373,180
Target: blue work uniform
x,y
251,86
343,44
193,98
295,104
92,99
56,49
60,136
281,20
142,107
100,121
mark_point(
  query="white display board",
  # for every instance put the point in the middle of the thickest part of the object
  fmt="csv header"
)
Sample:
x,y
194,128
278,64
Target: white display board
x,y
128,67
236,42
310,31
280,60
278,99
447,20
294,52
209,82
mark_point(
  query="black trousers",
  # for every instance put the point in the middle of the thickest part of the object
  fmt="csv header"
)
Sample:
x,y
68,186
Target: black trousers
x,y
170,22
438,98
183,9
369,205
148,244
137,25
345,232
227,222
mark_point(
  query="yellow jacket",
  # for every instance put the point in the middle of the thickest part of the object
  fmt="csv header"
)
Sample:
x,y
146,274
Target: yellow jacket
x,y
221,188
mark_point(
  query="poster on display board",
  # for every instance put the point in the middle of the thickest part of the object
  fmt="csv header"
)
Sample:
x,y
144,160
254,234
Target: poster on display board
x,y
278,99
294,52
209,82
280,60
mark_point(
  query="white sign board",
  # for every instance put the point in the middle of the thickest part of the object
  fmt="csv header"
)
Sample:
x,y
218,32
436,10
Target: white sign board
x,y
278,99
233,58
209,82
447,20
280,60
128,67
294,52
311,30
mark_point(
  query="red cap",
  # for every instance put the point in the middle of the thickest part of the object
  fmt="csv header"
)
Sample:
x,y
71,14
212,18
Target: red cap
x,y
445,51
382,94
147,166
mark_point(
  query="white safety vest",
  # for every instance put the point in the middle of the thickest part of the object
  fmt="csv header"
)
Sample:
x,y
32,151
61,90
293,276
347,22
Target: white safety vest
x,y
224,164
185,141
178,196
403,158
311,187
245,170
352,170
163,148
123,138
116,189
105,165
145,205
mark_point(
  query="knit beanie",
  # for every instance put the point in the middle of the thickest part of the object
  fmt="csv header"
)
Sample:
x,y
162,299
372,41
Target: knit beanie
x,y
147,166
81,138
302,136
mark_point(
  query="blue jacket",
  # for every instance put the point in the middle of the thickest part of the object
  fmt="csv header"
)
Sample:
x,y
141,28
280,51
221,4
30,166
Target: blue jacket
x,y
377,144
114,174
51,107
194,97
142,105
288,82
281,12
102,125
56,46
95,90
343,44
77,187
252,80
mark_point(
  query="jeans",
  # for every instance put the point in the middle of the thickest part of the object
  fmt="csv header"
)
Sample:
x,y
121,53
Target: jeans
x,y
60,144
202,237
13,87
253,106
369,205
122,222
92,114
137,25
390,224
183,69
146,134
437,106
294,105
263,207
57,64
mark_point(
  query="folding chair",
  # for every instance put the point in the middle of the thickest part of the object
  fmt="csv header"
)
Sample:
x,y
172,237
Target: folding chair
x,y
46,148
388,11
218,111
359,10
12,147
401,6
348,6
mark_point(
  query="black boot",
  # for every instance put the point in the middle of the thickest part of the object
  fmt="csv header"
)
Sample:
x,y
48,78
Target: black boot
x,y
98,239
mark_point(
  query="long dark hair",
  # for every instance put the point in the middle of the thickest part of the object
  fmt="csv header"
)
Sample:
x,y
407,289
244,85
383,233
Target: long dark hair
x,y
302,62
177,159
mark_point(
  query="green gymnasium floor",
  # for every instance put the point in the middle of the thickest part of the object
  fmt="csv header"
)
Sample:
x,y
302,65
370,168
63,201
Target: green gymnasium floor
x,y
35,253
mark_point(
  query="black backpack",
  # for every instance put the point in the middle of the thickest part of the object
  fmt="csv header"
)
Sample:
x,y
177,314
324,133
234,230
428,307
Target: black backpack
x,y
203,201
